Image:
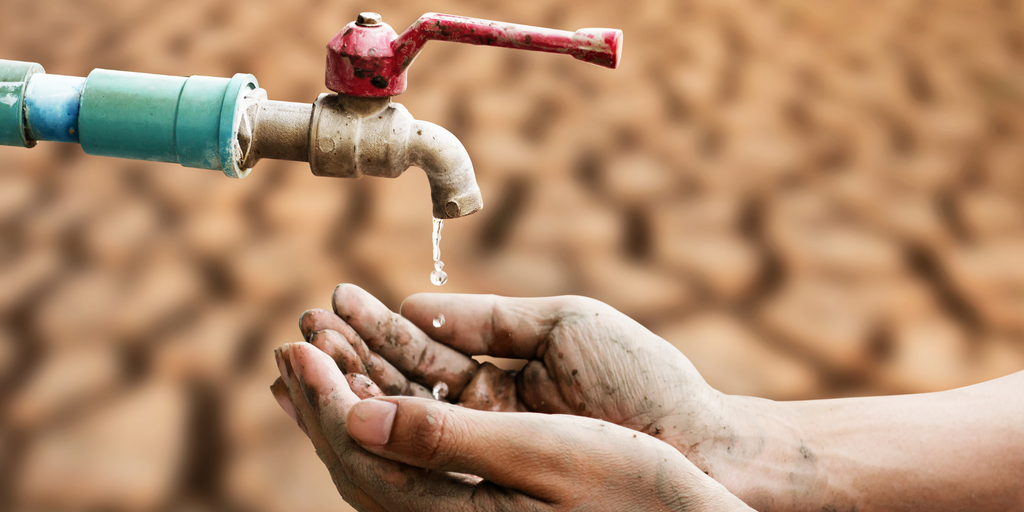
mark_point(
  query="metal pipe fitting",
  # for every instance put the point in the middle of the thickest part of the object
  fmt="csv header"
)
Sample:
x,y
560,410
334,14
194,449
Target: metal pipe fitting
x,y
350,137
453,188
230,125
281,131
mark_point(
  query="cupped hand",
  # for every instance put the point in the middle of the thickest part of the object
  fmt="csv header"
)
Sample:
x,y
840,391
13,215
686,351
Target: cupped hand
x,y
584,358
407,453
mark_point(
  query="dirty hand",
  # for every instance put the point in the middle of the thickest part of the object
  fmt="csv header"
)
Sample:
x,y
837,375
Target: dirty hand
x,y
405,453
584,358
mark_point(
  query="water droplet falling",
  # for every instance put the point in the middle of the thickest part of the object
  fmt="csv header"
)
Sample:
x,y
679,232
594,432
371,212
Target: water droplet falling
x,y
438,276
439,320
440,391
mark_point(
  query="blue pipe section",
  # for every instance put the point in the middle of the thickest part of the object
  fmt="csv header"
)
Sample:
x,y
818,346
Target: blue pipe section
x,y
193,121
51,107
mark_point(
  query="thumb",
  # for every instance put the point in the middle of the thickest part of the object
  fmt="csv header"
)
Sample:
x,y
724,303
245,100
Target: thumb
x,y
537,454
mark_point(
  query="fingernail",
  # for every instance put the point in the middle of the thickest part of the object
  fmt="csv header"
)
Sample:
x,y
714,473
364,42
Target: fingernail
x,y
280,392
306,390
370,421
281,365
286,404
303,320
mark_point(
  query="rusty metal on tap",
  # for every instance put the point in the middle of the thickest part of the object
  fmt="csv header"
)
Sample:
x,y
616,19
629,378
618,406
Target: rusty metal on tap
x,y
231,124
368,58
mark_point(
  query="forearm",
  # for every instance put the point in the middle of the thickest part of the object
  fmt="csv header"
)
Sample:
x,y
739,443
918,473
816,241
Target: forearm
x,y
956,450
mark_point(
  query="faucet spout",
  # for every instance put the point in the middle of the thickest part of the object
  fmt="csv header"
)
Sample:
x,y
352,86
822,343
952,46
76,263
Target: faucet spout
x,y
349,137
453,188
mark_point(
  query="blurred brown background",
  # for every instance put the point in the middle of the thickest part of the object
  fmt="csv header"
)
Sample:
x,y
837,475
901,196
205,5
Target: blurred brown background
x,y
810,199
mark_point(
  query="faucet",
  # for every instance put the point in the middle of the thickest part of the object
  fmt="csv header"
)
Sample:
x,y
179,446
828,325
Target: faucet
x,y
229,124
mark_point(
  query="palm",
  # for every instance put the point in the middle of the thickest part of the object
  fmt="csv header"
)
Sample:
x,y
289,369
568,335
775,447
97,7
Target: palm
x,y
584,358
607,366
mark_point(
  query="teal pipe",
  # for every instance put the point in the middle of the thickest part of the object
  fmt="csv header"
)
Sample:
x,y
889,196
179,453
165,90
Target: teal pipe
x,y
192,121
14,77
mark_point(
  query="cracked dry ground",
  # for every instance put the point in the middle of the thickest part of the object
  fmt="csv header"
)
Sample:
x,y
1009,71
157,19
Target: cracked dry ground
x,y
811,199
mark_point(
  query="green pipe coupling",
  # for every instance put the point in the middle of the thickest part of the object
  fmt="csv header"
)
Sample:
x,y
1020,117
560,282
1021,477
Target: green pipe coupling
x,y
14,77
192,121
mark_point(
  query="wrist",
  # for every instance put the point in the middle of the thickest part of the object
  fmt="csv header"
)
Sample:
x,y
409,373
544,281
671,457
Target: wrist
x,y
715,435
717,499
756,451
694,490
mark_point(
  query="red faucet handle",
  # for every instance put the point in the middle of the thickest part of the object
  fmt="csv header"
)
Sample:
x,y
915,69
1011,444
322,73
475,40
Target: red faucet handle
x,y
601,46
367,58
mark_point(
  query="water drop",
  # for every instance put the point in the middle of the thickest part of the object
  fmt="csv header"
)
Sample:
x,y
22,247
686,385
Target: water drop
x,y
440,391
438,276
439,320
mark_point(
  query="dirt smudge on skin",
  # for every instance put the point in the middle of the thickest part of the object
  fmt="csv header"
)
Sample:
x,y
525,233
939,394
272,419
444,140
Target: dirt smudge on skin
x,y
491,389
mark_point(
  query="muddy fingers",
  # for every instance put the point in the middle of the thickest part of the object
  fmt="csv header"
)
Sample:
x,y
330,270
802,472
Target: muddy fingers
x,y
362,386
338,348
310,424
366,480
328,332
314,320
401,343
